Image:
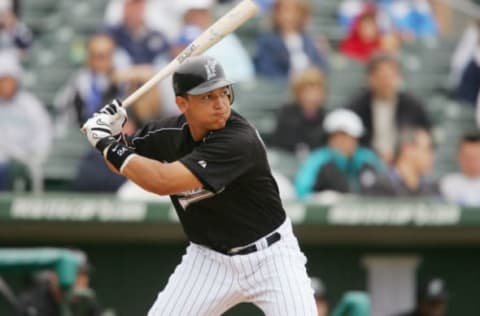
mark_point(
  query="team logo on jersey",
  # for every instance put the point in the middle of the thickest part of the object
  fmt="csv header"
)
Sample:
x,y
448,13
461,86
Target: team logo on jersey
x,y
211,69
202,163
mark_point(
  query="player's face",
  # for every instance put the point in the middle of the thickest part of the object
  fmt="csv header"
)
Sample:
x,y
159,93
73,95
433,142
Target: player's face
x,y
209,111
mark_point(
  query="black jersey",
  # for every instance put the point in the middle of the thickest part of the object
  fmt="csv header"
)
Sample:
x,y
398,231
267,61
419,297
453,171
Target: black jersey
x,y
239,202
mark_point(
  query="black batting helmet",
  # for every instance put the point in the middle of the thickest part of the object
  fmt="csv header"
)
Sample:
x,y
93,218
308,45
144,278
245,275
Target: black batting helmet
x,y
199,75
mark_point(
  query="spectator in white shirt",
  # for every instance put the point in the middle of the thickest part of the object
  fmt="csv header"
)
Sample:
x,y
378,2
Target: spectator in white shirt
x,y
26,126
464,188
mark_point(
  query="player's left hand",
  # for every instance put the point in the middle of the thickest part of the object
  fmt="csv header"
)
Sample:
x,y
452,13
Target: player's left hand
x,y
98,127
118,117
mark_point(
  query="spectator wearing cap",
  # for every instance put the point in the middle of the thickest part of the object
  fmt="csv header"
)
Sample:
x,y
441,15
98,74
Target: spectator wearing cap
x,y
463,188
408,176
299,123
136,40
384,109
287,48
432,299
14,34
320,293
26,127
339,165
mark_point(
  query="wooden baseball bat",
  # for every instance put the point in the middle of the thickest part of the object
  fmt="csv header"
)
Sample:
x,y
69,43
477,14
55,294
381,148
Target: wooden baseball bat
x,y
221,28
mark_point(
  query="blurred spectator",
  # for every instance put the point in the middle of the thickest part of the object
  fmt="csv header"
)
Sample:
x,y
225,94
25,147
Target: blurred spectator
x,y
469,85
26,127
464,52
478,111
413,19
161,16
82,300
141,44
364,38
299,124
348,11
444,15
339,165
432,299
412,164
464,188
384,109
197,17
287,48
14,34
42,296
320,296
91,87
93,175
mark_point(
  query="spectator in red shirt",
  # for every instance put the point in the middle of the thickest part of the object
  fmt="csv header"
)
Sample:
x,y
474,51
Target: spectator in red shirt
x,y
364,38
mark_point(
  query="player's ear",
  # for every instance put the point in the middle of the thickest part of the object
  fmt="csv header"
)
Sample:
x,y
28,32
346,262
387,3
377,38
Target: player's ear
x,y
182,103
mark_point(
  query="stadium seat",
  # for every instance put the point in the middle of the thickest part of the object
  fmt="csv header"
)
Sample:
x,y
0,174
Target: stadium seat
x,y
283,161
61,166
259,101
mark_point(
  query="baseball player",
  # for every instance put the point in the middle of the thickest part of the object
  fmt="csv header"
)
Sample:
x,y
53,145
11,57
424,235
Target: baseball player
x,y
213,165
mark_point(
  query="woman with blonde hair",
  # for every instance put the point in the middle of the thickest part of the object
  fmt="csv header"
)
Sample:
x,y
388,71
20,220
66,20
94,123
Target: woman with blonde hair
x,y
299,123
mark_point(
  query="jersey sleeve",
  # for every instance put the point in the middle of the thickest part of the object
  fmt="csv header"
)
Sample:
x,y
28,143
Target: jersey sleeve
x,y
221,158
155,138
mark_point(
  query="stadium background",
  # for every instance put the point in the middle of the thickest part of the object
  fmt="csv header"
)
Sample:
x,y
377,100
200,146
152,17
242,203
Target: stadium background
x,y
133,261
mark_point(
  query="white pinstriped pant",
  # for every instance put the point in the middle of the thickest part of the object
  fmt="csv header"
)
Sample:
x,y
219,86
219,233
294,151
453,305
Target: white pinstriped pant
x,y
208,283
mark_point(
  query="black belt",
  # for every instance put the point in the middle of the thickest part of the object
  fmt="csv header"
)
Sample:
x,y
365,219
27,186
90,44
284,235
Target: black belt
x,y
273,238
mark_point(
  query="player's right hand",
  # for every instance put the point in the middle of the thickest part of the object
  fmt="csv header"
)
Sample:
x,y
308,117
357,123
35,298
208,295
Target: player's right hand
x,y
118,116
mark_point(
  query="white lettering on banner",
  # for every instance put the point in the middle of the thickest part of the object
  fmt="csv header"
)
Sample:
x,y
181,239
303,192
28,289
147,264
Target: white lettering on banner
x,y
419,214
65,209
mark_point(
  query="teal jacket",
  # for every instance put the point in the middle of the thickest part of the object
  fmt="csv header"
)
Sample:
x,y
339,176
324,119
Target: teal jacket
x,y
350,168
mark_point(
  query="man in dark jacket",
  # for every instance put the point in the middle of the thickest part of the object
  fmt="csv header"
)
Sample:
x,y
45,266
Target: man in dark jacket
x,y
432,299
384,109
